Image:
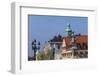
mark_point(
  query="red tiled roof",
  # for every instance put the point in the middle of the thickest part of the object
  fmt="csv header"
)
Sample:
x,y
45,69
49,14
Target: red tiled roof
x,y
79,39
82,39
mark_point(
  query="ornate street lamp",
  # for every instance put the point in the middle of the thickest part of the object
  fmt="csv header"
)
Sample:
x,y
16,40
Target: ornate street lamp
x,y
35,47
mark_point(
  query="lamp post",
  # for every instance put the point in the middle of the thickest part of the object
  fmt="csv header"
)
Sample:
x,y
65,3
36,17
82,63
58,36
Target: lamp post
x,y
35,47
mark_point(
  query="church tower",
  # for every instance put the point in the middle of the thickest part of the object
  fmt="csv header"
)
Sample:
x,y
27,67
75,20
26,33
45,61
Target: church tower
x,y
68,30
67,53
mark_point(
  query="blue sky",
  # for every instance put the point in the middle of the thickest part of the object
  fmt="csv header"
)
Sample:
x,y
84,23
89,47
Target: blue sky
x,y
43,28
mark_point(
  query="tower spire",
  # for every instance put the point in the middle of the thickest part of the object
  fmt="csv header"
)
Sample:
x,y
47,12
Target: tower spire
x,y
68,30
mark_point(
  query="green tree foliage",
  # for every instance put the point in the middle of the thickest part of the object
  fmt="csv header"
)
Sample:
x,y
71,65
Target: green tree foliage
x,y
40,56
46,54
